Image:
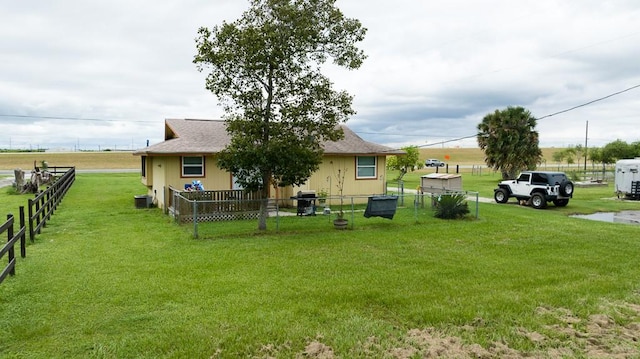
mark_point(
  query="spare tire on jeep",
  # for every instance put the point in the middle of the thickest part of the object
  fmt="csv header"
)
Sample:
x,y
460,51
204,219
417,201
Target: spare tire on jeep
x,y
566,188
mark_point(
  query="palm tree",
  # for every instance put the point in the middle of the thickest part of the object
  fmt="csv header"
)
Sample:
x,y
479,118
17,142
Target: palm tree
x,y
509,141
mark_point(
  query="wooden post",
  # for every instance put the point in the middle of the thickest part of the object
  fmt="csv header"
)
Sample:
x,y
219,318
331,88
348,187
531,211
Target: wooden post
x,y
31,232
23,237
38,213
11,252
19,175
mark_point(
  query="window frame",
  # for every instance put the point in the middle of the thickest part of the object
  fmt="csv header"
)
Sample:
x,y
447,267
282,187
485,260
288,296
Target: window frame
x,y
143,166
367,166
191,165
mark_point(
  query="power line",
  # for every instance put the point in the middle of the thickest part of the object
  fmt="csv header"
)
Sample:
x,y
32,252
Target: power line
x,y
73,118
545,116
590,102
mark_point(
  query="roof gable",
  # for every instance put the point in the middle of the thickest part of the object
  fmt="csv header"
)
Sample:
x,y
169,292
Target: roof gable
x,y
210,137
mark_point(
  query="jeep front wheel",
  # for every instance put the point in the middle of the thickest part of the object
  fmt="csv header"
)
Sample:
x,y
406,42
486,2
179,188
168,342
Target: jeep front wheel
x,y
538,201
501,196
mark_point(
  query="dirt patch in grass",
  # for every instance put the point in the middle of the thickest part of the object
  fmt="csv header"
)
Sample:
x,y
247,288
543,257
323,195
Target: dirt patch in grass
x,y
615,333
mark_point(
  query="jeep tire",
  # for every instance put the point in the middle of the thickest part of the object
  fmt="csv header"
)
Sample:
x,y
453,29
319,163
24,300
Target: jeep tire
x,y
566,188
538,201
501,195
560,202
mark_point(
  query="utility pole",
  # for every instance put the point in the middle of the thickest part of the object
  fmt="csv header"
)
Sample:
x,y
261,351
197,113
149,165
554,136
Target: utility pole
x,y
586,148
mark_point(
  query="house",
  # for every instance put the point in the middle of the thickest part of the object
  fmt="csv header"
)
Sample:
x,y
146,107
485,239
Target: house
x,y
189,150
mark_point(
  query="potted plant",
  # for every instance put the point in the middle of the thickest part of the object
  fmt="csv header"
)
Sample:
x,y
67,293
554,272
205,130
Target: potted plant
x,y
340,222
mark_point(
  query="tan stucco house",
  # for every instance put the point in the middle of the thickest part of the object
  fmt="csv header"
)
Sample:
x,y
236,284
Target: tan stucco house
x,y
189,150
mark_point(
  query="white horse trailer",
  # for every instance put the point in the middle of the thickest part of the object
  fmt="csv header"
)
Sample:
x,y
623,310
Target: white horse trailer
x,y
627,178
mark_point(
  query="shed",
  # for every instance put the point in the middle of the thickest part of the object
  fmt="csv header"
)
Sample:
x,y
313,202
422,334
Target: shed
x,y
440,183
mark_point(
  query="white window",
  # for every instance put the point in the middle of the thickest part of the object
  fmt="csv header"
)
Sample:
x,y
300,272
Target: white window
x,y
193,166
366,167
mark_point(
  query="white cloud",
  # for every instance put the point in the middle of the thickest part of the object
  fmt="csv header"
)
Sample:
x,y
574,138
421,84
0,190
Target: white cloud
x,y
435,68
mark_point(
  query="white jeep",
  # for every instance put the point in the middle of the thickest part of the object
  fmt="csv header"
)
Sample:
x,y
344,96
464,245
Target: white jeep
x,y
536,188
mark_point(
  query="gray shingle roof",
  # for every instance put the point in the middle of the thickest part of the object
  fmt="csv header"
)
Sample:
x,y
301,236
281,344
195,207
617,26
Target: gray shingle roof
x,y
189,136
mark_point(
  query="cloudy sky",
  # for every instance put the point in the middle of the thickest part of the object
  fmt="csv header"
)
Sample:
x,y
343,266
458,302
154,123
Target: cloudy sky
x,y
100,74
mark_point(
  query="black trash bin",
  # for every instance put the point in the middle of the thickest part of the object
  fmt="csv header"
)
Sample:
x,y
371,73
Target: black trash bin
x,y
142,201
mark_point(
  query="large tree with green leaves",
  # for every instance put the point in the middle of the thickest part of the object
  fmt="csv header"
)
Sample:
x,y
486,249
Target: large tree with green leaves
x,y
265,68
509,141
618,150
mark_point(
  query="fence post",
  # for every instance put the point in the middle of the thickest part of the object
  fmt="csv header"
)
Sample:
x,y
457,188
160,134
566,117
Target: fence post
x,y
195,219
352,214
47,206
23,237
11,252
31,233
38,212
477,203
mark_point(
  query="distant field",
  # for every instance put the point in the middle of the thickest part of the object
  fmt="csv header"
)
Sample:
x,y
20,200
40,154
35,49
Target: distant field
x,y
126,160
81,160
470,156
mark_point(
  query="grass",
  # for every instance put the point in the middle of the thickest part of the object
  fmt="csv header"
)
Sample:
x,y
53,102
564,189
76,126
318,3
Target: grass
x,y
11,202
106,280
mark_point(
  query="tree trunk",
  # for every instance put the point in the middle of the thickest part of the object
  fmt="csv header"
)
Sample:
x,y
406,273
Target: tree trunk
x,y
264,209
19,174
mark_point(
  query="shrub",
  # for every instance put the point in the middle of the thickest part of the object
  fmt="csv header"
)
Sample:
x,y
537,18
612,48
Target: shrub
x,y
451,206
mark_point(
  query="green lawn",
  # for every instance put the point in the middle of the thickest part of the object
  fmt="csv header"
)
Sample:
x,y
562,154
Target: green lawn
x,y
106,280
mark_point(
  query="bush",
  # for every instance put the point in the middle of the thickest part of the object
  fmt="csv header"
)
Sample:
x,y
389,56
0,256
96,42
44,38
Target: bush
x,y
451,206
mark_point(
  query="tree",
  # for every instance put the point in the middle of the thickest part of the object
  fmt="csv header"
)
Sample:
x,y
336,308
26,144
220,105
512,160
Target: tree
x,y
408,162
580,153
596,156
279,107
570,154
636,149
617,150
558,156
509,141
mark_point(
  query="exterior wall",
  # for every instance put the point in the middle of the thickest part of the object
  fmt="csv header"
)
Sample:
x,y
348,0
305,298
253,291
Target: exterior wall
x,y
165,171
157,190
325,179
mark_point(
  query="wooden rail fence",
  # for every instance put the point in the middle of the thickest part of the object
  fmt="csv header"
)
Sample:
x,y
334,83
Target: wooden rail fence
x,y
46,202
40,210
12,238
